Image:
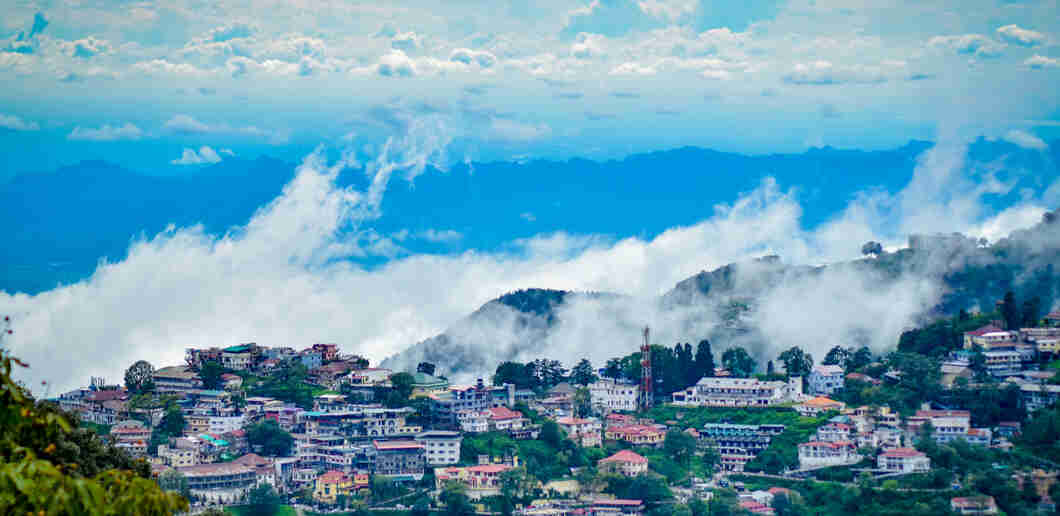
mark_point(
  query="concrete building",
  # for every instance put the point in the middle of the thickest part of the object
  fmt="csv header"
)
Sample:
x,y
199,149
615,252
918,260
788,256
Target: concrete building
x,y
607,395
815,454
625,463
825,379
584,431
481,480
176,379
974,505
737,444
331,485
738,392
401,461
903,460
990,337
219,482
1002,363
947,425
638,435
447,404
819,405
442,447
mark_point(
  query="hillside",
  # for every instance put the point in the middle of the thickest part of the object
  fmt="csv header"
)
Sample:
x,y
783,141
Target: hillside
x,y
765,304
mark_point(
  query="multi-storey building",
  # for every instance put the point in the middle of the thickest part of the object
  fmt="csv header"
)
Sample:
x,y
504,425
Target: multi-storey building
x,y
973,505
825,379
584,431
639,435
625,462
224,482
737,444
448,404
738,392
481,480
399,460
947,425
607,395
176,379
443,447
990,337
821,454
904,460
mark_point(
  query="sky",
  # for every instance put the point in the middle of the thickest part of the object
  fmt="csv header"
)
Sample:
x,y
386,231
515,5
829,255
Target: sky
x,y
404,91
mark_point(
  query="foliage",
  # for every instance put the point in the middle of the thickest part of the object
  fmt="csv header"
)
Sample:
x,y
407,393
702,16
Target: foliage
x,y
457,503
545,460
796,362
838,355
272,439
400,392
872,248
210,372
173,480
48,465
679,446
1041,436
514,373
264,500
426,368
738,362
140,377
287,382
172,421
583,373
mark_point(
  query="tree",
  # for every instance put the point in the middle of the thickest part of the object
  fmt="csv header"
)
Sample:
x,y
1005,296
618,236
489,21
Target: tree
x,y
263,499
872,248
546,373
1010,312
173,421
210,372
769,368
839,356
1032,309
513,373
582,402
796,361
583,373
454,496
679,446
426,368
551,434
738,362
41,470
140,377
173,480
272,439
860,358
613,369
401,389
704,359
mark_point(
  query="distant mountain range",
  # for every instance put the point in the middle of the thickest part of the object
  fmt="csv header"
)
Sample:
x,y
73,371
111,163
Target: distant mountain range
x,y
59,224
736,301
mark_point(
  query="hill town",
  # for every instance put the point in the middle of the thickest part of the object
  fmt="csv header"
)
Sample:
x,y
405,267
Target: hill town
x,y
960,418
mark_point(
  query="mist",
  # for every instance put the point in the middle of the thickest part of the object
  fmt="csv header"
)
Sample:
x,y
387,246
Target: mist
x,y
285,278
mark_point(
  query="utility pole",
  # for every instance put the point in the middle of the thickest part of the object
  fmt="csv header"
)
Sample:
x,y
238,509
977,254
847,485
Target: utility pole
x,y
647,386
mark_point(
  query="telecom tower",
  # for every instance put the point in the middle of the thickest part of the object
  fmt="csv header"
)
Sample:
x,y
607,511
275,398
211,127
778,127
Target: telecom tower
x,y
646,384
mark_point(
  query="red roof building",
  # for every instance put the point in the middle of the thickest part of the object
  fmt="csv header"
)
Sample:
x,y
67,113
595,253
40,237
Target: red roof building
x,y
625,462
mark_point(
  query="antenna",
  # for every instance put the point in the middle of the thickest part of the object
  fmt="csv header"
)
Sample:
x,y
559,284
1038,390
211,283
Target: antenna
x,y
646,383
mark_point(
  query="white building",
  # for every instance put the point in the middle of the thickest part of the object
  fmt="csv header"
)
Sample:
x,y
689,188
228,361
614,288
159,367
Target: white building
x,y
947,425
904,460
606,395
586,432
443,447
1003,363
825,379
816,454
738,392
225,424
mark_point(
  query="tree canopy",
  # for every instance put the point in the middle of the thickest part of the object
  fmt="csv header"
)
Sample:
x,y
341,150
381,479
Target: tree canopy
x,y
738,362
139,377
272,439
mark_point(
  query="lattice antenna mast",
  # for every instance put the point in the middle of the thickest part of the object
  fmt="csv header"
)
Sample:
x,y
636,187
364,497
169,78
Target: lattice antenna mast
x,y
646,383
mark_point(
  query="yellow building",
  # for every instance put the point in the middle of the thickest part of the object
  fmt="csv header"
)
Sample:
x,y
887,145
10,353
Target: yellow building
x,y
332,484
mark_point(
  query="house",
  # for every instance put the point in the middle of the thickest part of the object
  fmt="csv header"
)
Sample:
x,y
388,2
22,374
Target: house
x,y
818,405
328,352
448,402
615,507
737,444
443,447
1002,363
504,418
176,379
754,507
815,454
979,436
400,461
423,383
584,431
264,468
989,337
973,505
639,435
481,480
607,395
904,460
311,358
861,377
738,392
1038,395
223,482
951,370
625,463
239,358
331,485
834,432
947,425
1008,429
825,379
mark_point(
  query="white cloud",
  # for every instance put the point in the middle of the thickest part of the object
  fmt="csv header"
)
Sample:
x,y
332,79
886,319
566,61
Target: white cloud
x,y
439,236
588,45
203,156
15,123
1017,35
824,72
972,44
396,64
1039,62
504,129
632,68
106,133
186,124
189,126
1025,140
468,56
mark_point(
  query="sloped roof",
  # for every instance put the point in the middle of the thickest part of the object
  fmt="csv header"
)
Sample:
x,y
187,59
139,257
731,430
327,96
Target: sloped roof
x,y
626,456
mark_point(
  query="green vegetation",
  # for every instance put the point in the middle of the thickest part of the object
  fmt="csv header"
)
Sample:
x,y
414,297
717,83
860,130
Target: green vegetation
x,y
253,510
273,440
287,383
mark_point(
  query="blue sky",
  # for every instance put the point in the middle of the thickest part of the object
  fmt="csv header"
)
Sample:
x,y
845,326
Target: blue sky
x,y
138,82
397,91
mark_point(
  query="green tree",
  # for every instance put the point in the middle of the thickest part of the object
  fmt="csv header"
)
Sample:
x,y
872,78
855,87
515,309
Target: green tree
x,y
175,481
513,373
426,368
704,359
210,372
839,356
173,421
583,373
613,369
272,440
859,359
738,362
1031,313
264,500
582,402
37,476
796,362
1010,312
402,389
551,434
140,377
679,446
457,503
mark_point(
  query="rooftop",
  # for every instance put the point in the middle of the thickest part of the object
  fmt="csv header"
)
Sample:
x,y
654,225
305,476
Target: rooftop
x,y
176,373
626,456
903,452
504,413
397,445
220,468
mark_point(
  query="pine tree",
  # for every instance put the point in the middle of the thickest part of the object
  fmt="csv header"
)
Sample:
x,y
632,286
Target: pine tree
x,y
704,359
